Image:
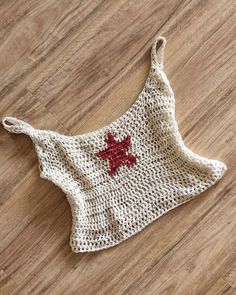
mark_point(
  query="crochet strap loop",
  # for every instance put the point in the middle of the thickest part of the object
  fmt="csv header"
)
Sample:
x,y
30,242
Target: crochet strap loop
x,y
16,125
158,48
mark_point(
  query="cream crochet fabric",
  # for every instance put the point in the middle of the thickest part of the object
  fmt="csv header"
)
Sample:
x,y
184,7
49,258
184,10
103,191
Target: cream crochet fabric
x,y
120,178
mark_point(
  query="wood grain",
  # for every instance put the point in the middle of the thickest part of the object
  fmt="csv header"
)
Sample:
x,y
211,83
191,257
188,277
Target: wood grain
x,y
75,66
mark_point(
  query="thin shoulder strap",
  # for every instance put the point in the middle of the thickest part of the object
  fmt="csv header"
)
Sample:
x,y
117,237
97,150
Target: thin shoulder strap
x,y
157,52
17,126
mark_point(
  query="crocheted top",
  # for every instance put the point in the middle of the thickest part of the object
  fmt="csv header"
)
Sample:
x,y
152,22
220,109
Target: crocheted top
x,y
120,178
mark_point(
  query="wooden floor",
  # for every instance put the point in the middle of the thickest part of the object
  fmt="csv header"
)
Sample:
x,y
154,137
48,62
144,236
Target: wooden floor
x,y
75,66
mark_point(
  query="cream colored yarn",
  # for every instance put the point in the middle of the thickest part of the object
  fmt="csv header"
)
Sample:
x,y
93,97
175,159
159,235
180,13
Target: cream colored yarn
x,y
107,209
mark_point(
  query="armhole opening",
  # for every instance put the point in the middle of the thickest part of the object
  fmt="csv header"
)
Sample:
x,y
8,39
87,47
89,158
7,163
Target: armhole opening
x,y
39,155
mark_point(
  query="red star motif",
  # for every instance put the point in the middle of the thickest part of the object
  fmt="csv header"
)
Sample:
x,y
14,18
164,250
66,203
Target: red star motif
x,y
116,153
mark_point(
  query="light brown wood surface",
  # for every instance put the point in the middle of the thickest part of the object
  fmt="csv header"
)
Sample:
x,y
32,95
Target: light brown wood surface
x,y
75,66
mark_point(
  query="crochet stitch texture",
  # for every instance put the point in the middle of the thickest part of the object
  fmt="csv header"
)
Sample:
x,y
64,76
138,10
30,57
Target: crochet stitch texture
x,y
120,178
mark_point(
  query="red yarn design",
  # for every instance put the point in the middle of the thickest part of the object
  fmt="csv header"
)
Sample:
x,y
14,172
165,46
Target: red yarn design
x,y
116,153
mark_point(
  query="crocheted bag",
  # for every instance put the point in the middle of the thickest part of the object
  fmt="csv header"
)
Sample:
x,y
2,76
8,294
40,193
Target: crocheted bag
x,y
120,178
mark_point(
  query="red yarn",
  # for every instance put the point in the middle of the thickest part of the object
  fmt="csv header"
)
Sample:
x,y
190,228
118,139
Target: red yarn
x,y
116,153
